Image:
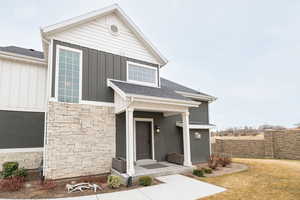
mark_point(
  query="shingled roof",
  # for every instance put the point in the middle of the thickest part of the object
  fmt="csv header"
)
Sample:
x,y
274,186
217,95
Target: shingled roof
x,y
22,51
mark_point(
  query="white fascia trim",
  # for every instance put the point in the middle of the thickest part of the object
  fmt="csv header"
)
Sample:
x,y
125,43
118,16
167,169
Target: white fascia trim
x,y
151,99
98,103
197,126
66,24
164,100
198,96
22,150
115,88
18,57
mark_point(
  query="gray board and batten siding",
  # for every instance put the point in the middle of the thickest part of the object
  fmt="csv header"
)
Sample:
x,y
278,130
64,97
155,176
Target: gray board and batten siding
x,y
21,129
97,67
170,138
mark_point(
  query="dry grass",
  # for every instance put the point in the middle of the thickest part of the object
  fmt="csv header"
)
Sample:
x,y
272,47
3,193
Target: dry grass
x,y
265,180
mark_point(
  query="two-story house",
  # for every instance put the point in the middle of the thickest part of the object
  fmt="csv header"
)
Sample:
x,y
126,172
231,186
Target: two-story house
x,y
95,93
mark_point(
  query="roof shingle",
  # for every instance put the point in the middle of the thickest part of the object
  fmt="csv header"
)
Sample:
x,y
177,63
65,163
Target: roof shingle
x,y
23,51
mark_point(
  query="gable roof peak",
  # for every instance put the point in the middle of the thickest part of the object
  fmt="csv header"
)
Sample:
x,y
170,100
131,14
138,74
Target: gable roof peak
x,y
114,8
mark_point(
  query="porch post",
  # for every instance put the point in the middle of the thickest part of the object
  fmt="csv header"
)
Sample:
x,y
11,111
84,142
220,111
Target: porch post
x,y
129,142
186,139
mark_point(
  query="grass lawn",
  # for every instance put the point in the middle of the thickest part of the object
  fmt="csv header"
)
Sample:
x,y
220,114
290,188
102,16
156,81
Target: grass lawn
x,y
264,180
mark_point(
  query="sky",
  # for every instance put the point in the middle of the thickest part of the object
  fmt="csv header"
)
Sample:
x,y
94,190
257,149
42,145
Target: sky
x,y
246,53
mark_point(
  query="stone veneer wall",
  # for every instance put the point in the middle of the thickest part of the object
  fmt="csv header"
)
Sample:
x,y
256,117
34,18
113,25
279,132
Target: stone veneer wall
x,y
80,140
240,148
28,160
276,144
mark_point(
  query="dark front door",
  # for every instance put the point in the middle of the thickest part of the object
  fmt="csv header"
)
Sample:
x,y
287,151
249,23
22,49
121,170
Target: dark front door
x,y
143,140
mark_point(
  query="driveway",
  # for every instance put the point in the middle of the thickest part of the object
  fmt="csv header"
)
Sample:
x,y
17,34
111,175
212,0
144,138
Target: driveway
x,y
176,187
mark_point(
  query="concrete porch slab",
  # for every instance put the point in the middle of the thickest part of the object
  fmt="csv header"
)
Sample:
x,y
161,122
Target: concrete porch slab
x,y
168,169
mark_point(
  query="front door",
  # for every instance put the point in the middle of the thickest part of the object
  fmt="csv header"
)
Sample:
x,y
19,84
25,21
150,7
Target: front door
x,y
143,140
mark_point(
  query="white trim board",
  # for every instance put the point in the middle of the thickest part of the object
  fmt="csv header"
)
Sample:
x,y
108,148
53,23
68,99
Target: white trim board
x,y
197,126
152,135
22,58
22,150
84,102
141,82
58,47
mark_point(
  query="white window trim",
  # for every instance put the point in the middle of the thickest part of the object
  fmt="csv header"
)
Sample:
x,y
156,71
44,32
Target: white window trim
x,y
141,82
152,135
58,47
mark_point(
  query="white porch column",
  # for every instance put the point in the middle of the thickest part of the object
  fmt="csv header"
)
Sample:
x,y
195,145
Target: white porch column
x,y
129,142
186,139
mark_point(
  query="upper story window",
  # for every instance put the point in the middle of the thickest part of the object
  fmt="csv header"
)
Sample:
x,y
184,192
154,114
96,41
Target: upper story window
x,y
68,76
142,74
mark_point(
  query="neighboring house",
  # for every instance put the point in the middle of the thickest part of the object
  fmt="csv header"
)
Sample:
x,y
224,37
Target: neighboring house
x,y
96,93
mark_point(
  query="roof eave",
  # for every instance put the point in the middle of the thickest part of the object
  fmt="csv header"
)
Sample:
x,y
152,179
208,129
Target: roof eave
x,y
22,58
198,96
151,98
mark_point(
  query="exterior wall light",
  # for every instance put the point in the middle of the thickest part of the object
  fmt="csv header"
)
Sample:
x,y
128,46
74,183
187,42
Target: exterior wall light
x,y
197,135
157,129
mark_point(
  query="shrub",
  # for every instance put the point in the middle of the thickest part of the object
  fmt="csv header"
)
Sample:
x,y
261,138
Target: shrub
x,y
114,181
22,172
48,185
212,161
145,180
9,168
222,162
198,172
207,170
11,184
228,160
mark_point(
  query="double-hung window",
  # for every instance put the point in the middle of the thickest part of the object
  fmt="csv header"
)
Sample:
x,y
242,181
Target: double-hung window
x,y
68,74
142,74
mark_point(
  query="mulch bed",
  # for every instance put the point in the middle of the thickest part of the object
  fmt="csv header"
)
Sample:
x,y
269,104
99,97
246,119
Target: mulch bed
x,y
220,171
33,190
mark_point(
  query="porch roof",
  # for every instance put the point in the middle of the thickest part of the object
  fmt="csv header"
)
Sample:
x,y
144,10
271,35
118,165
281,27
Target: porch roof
x,y
130,89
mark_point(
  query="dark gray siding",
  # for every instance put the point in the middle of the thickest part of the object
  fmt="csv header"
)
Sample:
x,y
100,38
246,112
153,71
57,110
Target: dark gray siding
x,y
121,135
199,114
21,129
170,138
97,67
199,147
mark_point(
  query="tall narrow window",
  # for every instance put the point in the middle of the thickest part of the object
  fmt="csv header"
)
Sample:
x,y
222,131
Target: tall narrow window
x,y
68,86
142,74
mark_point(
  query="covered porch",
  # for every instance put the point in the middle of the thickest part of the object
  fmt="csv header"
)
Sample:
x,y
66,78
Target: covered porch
x,y
147,131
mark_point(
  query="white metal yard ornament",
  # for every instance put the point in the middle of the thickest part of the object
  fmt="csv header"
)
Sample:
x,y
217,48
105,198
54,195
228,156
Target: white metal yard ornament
x,y
82,186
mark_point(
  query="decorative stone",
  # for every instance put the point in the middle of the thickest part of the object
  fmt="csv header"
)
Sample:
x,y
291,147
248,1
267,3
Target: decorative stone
x,y
80,140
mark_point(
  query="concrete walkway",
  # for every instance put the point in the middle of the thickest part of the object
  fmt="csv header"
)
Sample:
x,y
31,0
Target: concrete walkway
x,y
176,187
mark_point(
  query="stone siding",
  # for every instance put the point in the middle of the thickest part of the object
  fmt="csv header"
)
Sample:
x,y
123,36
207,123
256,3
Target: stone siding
x,y
276,144
80,140
28,160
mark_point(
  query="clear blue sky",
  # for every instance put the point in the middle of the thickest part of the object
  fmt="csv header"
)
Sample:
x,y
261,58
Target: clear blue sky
x,y
247,53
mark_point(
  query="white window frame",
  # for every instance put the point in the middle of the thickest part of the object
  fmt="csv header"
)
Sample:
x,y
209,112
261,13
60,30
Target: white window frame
x,y
141,82
58,48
